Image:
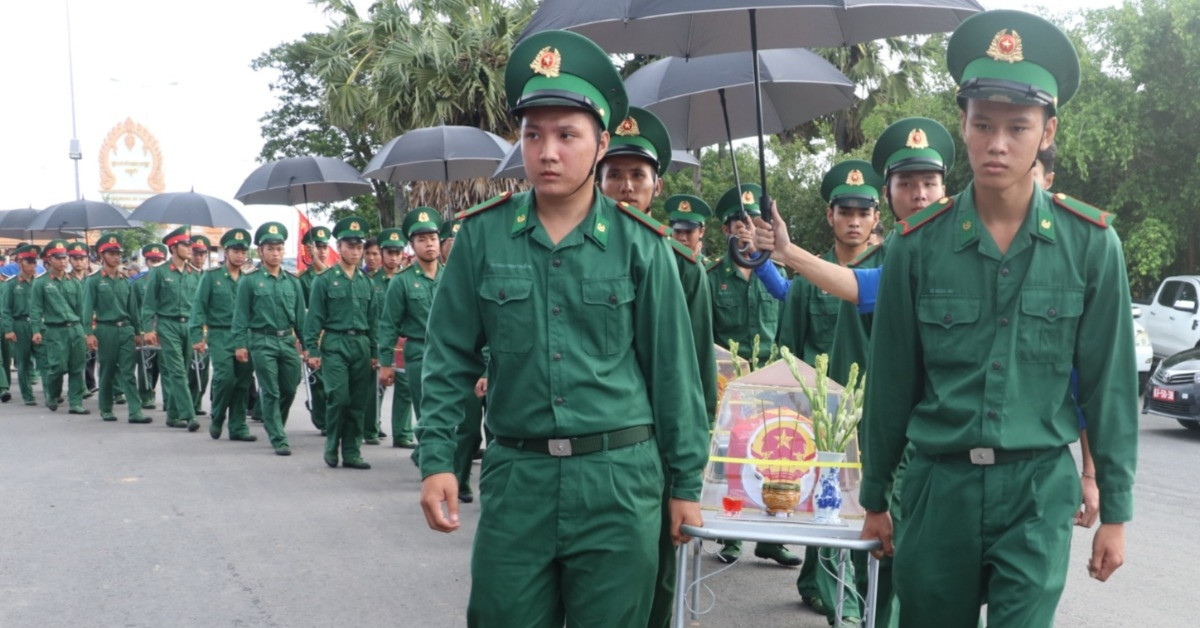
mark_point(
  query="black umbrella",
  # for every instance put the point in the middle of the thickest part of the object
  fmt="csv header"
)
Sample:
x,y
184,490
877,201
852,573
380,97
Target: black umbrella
x,y
513,167
296,180
14,223
797,86
189,208
439,153
80,214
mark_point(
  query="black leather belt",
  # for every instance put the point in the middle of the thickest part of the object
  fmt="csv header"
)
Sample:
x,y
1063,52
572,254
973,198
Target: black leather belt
x,y
278,333
21,318
347,332
989,456
114,323
67,324
218,326
177,319
579,445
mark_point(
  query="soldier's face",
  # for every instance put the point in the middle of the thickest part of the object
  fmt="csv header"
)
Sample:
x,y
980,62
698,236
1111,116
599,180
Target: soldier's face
x,y
1003,140
350,252
690,238
560,149
58,263
851,225
199,256
28,267
629,179
112,258
447,245
271,254
373,258
910,192
426,246
182,250
391,259
235,256
79,263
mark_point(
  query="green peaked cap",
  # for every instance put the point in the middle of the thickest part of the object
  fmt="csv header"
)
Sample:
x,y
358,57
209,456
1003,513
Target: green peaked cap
x,y
1014,57
110,241
728,205
642,134
350,228
449,229
392,238
154,250
178,235
913,144
852,183
686,208
420,220
201,242
564,69
315,234
77,249
236,238
56,246
270,233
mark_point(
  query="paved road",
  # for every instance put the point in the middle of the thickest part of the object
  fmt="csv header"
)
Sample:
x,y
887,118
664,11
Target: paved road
x,y
112,524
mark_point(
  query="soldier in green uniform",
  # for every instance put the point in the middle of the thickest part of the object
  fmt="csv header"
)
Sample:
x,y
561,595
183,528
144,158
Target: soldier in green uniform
x,y
316,245
14,319
339,336
110,305
210,332
147,366
406,306
5,356
266,328
165,311
638,155
200,368
79,270
446,235
54,318
391,244
743,309
987,300
374,269
590,385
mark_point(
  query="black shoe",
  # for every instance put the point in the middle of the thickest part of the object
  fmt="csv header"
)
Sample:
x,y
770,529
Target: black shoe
x,y
108,417
283,451
193,425
478,455
149,406
332,462
249,438
175,423
201,413
404,444
466,497
31,403
53,407
79,410
141,420
5,396
214,431
355,464
120,401
382,435
371,441
730,552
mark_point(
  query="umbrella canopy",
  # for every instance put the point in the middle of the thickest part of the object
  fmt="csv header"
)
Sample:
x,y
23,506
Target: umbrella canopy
x,y
80,214
13,223
440,153
797,86
189,208
296,180
694,28
513,167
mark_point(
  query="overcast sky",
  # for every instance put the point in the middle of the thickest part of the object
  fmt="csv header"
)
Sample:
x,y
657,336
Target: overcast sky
x,y
181,69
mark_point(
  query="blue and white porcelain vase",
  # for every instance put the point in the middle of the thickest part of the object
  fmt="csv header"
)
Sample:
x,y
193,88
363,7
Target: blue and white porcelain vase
x,y
827,498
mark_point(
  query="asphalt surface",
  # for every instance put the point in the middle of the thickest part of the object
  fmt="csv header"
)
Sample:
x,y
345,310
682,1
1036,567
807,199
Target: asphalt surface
x,y
112,524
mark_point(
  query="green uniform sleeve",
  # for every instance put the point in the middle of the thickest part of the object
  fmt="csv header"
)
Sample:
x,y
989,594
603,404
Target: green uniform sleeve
x,y
37,306
150,300
240,328
895,364
314,321
6,320
793,318
301,311
199,314
88,311
699,308
389,322
1104,358
135,307
374,311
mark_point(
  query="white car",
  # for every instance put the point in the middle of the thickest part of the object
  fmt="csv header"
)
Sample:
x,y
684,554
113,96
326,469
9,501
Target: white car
x,y
1143,349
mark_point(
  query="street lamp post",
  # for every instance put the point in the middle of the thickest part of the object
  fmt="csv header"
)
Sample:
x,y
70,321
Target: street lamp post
x,y
74,151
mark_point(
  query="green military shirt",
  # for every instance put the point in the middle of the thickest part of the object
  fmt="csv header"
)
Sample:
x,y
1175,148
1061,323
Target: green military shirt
x,y
852,334
306,281
406,309
808,317
584,336
55,301
216,297
169,292
109,299
742,309
266,303
16,295
6,324
974,347
341,303
699,307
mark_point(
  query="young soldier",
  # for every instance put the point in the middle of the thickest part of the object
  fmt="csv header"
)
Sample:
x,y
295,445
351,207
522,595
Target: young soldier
x,y
109,301
446,234
338,334
591,381
54,312
392,243
316,246
406,305
5,356
201,365
637,157
211,333
266,326
14,319
147,366
686,215
987,301
80,268
166,307
376,270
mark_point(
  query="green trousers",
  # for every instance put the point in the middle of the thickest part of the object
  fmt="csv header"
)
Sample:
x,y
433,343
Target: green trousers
x,y
5,364
198,382
277,367
230,383
414,360
147,377
402,409
64,352
174,361
346,366
999,534
663,605
22,355
371,426
117,359
318,402
566,540
467,438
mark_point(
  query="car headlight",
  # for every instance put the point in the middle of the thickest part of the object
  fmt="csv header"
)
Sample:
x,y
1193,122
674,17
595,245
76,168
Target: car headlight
x,y
1141,338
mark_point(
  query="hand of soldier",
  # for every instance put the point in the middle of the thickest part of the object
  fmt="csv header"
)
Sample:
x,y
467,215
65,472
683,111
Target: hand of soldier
x,y
11,336
878,526
771,236
743,230
314,363
91,342
1087,516
438,489
37,339
481,387
242,355
1108,551
137,340
374,363
151,338
387,375
199,347
683,511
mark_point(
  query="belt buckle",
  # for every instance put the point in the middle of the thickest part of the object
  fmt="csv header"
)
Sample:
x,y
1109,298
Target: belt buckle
x,y
281,333
983,456
559,447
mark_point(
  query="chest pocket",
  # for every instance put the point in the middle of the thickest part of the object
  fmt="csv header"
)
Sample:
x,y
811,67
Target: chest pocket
x,y
823,312
947,327
729,310
508,312
607,327
1049,320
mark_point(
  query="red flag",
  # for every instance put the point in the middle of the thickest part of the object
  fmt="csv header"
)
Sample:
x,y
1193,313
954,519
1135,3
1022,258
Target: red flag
x,y
302,260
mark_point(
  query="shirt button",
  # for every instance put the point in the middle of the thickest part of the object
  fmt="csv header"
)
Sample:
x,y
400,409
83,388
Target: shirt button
x,y
947,319
1004,272
995,366
991,414
557,357
556,310
1052,313
559,401
501,295
1004,322
612,298
556,263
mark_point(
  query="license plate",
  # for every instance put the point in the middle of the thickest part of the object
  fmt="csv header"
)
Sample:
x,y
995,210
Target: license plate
x,y
1163,394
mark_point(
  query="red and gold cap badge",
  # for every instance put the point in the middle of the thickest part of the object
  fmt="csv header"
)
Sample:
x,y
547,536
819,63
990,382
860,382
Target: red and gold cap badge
x,y
917,139
684,206
273,230
421,217
1006,46
855,178
629,128
748,197
548,62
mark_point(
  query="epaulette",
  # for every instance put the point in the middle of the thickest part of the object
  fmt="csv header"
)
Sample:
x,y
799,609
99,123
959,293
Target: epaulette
x,y
1094,215
683,251
871,250
713,264
915,221
495,201
94,272
253,269
645,219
